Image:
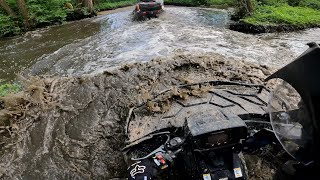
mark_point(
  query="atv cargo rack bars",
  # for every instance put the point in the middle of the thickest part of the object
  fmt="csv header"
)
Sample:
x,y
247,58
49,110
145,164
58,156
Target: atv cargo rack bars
x,y
212,83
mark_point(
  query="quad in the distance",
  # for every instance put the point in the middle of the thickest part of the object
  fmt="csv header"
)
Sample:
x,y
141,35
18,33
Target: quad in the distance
x,y
148,9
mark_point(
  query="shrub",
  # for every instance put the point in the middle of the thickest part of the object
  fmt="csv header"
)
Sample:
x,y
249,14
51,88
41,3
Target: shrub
x,y
314,4
9,88
8,26
299,16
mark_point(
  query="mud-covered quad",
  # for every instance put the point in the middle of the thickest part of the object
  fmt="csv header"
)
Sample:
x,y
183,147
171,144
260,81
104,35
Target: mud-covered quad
x,y
199,131
148,9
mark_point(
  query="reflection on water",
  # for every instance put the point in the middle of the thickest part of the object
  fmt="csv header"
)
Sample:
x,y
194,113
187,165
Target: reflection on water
x,y
21,52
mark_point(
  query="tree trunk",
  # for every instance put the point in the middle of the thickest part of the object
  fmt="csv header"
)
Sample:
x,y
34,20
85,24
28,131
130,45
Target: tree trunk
x,y
250,7
6,7
88,4
245,8
24,12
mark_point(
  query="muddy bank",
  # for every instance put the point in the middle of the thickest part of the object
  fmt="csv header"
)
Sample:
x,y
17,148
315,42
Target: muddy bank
x,y
257,29
73,128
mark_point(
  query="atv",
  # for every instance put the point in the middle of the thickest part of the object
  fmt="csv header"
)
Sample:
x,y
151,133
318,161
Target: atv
x,y
204,136
147,9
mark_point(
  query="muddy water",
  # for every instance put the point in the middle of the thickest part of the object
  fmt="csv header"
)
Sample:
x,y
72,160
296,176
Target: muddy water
x,y
112,39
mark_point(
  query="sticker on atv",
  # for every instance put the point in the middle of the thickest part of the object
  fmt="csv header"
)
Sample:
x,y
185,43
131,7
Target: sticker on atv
x,y
137,170
206,177
237,172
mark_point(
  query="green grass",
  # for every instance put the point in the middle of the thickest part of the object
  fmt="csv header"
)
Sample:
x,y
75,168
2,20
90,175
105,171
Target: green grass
x,y
8,26
8,88
114,5
284,15
181,2
219,3
314,4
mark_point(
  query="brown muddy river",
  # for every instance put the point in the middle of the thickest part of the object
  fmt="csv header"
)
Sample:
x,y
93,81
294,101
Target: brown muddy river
x,y
107,41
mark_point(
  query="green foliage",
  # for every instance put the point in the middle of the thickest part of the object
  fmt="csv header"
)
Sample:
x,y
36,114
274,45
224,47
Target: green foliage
x,y
314,4
224,3
287,15
272,2
8,26
294,2
181,2
9,88
47,12
43,12
113,5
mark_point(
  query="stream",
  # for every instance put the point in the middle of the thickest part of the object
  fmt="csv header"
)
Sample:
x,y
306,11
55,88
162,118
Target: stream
x,y
113,39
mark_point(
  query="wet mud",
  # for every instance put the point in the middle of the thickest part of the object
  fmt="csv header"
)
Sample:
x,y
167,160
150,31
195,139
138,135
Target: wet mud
x,y
73,127
257,29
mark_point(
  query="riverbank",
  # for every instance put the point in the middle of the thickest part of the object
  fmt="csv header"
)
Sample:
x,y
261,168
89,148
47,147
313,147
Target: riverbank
x,y
279,17
265,16
205,3
44,14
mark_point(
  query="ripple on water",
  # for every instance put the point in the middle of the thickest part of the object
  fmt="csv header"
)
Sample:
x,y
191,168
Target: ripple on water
x,y
93,45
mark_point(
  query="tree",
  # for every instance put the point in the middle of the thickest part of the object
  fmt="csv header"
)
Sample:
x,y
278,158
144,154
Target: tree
x,y
7,8
24,12
88,4
245,8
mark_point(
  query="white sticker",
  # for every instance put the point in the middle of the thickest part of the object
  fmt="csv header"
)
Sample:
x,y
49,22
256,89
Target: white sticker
x,y
237,172
223,178
157,162
137,170
206,177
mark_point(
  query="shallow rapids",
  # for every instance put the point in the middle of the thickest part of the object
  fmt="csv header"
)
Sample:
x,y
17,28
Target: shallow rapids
x,y
107,41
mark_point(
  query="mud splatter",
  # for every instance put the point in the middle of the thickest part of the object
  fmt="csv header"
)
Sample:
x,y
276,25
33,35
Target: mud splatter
x,y
73,128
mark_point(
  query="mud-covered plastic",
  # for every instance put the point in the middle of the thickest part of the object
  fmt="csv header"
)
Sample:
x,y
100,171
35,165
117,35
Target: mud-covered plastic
x,y
291,121
294,106
226,106
212,119
150,6
147,9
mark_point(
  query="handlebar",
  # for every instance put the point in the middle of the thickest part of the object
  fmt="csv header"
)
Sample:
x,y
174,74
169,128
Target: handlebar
x,y
165,150
158,150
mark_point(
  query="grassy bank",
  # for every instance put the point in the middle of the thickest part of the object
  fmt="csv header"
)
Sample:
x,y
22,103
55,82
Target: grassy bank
x,y
8,88
284,15
114,5
280,15
208,3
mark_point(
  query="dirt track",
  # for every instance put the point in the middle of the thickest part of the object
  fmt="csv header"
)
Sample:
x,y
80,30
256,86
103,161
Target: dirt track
x,y
73,128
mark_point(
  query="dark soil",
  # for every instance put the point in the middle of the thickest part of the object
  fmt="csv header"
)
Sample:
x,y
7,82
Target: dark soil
x,y
256,29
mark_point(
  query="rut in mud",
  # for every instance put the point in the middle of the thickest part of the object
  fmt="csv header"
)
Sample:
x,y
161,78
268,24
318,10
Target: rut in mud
x,y
73,128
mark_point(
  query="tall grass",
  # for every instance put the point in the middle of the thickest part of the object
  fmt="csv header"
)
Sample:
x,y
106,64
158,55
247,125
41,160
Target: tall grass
x,y
284,14
8,88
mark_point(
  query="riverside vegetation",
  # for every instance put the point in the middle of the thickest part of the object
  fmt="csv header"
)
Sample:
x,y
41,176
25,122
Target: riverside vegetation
x,y
18,16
